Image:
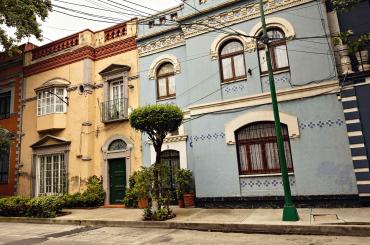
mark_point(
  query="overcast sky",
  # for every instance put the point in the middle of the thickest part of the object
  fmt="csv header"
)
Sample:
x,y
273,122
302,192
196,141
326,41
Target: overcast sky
x,y
59,25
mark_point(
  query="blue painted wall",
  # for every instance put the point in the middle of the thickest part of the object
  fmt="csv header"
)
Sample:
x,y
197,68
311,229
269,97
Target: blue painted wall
x,y
321,156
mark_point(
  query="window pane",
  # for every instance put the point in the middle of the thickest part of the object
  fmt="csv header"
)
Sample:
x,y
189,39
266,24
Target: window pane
x,y
243,159
239,65
166,68
232,47
272,156
256,157
4,166
275,33
171,85
263,63
162,90
281,56
227,69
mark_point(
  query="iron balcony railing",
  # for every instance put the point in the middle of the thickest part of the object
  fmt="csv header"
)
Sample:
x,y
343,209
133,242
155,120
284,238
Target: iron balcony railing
x,y
113,110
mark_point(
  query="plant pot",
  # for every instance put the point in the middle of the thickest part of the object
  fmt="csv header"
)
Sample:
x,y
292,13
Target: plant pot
x,y
362,59
181,203
143,203
342,50
189,200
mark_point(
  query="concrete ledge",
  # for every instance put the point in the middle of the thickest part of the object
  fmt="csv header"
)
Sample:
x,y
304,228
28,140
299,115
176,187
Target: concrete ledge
x,y
334,230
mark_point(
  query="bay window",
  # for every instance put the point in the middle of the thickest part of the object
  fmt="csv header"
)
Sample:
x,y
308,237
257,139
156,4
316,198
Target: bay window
x,y
51,101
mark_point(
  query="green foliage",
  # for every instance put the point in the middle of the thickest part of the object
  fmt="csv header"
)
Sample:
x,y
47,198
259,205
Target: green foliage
x,y
163,213
148,214
359,43
143,183
42,207
5,139
93,196
23,16
343,38
13,206
184,182
156,120
131,199
344,5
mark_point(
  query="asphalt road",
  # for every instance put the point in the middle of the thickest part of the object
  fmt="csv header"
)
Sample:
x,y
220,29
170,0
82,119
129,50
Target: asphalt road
x,y
25,234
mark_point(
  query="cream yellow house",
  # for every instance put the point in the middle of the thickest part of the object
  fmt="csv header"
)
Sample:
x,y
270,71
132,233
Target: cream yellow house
x,y
77,95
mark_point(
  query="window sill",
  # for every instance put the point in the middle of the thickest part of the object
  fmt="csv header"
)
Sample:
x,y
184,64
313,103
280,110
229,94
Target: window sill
x,y
51,114
263,175
168,98
234,81
276,72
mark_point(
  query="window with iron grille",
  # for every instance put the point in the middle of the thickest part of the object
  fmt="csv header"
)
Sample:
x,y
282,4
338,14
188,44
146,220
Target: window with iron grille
x,y
232,63
5,101
4,166
51,175
258,151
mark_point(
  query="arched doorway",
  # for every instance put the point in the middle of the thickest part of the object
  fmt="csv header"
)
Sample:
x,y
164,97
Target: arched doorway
x,y
172,159
116,152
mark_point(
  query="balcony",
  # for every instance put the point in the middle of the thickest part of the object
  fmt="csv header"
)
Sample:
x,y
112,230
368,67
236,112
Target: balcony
x,y
114,110
55,121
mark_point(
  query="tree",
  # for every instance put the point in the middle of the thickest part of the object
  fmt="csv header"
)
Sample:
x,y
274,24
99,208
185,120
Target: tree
x,y
344,5
5,139
157,121
23,16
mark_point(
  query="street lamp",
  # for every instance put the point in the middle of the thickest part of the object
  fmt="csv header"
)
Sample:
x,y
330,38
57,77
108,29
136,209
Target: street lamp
x,y
290,212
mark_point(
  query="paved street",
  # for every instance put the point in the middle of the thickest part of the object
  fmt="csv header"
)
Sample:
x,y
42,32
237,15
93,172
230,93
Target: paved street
x,y
24,234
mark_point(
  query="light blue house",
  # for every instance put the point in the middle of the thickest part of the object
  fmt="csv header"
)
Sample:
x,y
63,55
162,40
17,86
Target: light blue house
x,y
206,59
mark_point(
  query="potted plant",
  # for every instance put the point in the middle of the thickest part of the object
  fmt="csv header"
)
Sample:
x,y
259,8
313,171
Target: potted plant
x,y
184,188
341,42
143,187
357,47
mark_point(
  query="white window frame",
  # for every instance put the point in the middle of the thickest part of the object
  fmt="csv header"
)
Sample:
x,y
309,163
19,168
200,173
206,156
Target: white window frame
x,y
54,102
60,188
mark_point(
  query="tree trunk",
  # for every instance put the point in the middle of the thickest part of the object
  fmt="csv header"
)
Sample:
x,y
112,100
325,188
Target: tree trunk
x,y
157,184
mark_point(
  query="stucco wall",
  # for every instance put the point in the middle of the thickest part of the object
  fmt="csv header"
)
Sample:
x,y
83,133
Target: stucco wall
x,y
86,141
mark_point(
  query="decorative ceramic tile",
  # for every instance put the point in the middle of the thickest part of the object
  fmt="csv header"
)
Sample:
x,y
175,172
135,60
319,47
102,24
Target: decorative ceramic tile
x,y
321,124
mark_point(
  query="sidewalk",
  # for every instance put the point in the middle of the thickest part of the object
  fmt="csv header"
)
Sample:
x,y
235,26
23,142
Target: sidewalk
x,y
346,221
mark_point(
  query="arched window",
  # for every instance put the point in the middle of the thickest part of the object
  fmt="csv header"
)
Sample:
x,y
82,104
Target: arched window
x,y
117,145
278,51
166,81
257,148
232,63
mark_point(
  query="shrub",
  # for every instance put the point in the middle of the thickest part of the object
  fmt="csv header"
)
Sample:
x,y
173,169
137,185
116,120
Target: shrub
x,y
13,206
184,182
131,199
92,197
44,206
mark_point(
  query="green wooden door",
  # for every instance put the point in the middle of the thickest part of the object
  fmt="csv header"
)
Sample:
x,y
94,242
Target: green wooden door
x,y
117,180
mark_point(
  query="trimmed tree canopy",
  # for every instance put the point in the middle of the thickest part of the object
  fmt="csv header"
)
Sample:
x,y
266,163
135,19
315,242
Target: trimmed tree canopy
x,y
22,15
157,121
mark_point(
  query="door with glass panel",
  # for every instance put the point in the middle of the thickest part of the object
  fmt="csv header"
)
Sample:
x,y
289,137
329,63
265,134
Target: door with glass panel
x,y
51,177
116,99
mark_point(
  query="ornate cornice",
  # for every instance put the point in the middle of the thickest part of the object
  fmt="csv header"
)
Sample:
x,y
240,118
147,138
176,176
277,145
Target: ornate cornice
x,y
86,52
165,43
238,15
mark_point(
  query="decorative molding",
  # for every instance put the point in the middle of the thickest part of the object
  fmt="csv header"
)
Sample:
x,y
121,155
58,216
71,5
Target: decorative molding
x,y
328,87
281,23
86,52
162,59
176,138
238,15
258,116
224,38
162,44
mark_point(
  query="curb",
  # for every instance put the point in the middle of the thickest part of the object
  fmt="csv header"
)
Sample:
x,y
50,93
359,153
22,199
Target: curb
x,y
333,230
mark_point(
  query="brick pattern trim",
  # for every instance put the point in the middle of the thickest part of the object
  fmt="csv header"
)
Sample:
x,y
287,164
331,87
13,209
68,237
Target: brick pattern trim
x,y
80,54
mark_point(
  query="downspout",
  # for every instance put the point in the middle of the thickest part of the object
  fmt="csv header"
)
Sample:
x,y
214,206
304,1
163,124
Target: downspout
x,y
20,135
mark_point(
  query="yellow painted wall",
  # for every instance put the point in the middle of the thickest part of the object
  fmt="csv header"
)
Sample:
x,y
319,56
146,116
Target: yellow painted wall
x,y
85,140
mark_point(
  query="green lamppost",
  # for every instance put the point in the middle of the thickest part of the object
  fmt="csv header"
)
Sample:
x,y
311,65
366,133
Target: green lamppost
x,y
290,212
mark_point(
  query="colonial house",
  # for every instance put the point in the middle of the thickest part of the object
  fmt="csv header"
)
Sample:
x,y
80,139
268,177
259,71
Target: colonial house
x,y
77,94
354,69
11,79
206,57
